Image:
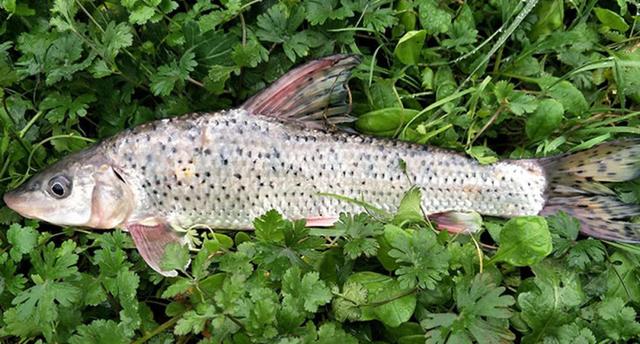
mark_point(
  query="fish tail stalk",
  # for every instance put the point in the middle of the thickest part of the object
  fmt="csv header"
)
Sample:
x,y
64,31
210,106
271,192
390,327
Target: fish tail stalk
x,y
576,187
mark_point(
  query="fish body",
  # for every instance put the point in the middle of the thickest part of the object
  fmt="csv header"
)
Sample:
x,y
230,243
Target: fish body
x,y
280,151
225,169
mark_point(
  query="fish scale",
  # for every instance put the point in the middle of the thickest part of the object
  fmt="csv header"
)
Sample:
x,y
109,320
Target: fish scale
x,y
225,169
281,150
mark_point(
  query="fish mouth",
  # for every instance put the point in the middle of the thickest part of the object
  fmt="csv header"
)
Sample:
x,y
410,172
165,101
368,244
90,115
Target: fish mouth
x,y
18,204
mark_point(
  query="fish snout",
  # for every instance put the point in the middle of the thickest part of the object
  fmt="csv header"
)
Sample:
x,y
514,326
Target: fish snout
x,y
17,203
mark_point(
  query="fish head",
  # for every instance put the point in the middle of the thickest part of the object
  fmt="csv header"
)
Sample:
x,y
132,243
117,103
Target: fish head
x,y
83,189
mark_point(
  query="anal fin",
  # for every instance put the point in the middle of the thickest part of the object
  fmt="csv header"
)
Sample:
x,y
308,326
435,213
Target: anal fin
x,y
458,221
151,242
321,221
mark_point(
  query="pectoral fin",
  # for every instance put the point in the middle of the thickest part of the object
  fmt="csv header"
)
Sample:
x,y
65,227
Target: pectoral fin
x,y
458,221
151,241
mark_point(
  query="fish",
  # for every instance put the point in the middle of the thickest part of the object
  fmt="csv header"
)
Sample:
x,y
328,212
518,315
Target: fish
x,y
283,149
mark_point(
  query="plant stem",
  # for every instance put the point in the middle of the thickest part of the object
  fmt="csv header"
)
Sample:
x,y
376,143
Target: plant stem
x,y
167,324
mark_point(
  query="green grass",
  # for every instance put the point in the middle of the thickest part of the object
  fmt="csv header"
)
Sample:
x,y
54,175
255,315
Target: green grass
x,y
496,79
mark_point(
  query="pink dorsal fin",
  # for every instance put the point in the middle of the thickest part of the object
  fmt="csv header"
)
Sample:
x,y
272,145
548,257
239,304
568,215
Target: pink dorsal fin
x,y
313,94
151,242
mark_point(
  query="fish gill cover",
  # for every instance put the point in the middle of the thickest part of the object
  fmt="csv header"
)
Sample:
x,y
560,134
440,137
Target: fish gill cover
x,y
494,79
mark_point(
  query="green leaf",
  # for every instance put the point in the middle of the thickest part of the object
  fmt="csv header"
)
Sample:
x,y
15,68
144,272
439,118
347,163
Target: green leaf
x,y
410,208
22,239
387,300
178,287
551,302
550,17
434,17
463,31
524,241
520,103
384,122
192,321
572,100
59,107
51,263
100,332
545,120
176,257
319,11
621,276
331,333
483,154
611,19
141,15
423,260
250,54
346,306
573,333
617,320
360,231
273,24
41,303
164,81
481,307
304,292
8,5
114,39
301,43
269,227
379,19
409,47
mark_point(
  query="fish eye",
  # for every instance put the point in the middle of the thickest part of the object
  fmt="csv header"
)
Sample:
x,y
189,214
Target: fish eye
x,y
59,187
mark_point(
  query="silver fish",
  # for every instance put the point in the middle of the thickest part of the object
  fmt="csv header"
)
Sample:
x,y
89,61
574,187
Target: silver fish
x,y
275,152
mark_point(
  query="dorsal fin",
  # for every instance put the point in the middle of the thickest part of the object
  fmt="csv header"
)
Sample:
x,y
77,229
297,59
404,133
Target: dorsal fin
x,y
314,94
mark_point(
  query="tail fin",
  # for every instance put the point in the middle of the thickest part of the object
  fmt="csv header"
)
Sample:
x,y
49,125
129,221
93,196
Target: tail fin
x,y
313,94
575,187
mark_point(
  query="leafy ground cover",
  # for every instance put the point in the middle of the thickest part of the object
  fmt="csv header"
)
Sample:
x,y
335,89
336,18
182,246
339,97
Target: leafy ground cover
x,y
496,79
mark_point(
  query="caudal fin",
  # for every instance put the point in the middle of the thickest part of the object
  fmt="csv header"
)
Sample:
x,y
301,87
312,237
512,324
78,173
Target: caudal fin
x,y
576,187
313,94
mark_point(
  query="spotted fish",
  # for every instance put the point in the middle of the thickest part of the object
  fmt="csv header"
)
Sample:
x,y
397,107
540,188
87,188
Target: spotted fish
x,y
278,151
